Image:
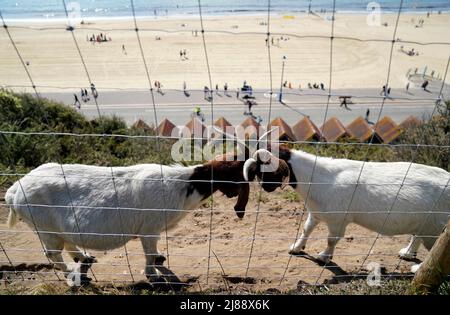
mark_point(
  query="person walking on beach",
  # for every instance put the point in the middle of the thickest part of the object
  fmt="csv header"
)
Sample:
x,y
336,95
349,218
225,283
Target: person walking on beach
x,y
124,51
237,93
367,117
159,87
407,87
383,90
77,103
225,88
94,91
181,54
424,85
217,89
388,91
184,86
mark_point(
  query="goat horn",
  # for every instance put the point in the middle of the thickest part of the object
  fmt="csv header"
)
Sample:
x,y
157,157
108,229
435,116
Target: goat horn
x,y
247,165
266,134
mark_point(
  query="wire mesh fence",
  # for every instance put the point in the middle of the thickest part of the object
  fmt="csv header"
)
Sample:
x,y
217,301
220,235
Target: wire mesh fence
x,y
210,247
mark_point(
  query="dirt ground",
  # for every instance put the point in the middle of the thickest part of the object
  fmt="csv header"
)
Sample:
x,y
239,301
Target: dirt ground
x,y
256,264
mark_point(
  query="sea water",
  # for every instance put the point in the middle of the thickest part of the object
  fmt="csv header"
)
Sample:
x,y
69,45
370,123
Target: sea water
x,y
55,9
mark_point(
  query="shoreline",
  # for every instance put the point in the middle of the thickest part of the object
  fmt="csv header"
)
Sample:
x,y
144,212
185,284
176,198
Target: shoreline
x,y
192,16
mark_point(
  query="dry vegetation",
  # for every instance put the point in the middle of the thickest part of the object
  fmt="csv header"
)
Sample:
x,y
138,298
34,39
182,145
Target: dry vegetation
x,y
269,227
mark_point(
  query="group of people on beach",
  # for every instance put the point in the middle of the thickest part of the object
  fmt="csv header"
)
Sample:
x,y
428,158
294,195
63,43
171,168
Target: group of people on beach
x,y
158,86
317,86
410,52
272,40
183,56
98,38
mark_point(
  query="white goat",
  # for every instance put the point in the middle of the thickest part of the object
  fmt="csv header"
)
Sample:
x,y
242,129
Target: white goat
x,y
111,206
385,201
131,203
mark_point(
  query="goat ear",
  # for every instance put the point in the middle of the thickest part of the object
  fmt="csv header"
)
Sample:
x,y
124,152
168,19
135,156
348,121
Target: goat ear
x,y
244,191
250,169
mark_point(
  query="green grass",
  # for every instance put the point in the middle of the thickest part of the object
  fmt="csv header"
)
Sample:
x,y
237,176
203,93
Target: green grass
x,y
291,196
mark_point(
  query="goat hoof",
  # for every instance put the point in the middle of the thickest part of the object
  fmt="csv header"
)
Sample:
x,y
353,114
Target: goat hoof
x,y
406,255
85,280
325,258
416,267
296,250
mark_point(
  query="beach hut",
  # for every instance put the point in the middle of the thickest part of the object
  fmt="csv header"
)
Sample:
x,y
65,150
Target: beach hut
x,y
284,131
194,128
223,125
360,130
410,122
167,129
249,128
333,129
140,124
387,129
306,130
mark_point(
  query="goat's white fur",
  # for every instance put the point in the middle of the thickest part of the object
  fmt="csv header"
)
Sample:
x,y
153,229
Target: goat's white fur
x,y
92,202
421,208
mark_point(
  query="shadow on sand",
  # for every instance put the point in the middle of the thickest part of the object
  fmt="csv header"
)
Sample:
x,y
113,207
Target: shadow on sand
x,y
342,276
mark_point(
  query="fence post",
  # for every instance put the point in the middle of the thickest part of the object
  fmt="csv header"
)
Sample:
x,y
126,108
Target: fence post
x,y
435,267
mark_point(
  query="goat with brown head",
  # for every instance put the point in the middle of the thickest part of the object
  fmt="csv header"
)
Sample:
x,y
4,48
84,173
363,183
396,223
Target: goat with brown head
x,y
231,177
271,171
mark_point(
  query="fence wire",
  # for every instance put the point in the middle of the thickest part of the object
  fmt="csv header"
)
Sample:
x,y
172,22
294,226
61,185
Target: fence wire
x,y
242,264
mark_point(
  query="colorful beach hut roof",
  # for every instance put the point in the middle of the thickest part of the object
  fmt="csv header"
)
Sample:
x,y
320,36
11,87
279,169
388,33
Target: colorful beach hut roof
x,y
195,127
166,128
250,128
360,130
387,129
284,131
224,124
333,129
410,122
140,124
306,130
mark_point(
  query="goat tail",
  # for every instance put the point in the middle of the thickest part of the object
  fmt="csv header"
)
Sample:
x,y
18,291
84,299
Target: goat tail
x,y
9,199
12,217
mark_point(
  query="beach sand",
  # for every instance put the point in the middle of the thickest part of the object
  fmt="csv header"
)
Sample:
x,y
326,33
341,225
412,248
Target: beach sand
x,y
236,52
232,240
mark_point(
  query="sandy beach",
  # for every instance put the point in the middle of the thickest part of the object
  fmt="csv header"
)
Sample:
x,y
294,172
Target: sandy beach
x,y
236,50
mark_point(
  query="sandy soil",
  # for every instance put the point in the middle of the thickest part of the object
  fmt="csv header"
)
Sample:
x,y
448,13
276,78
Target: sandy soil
x,y
236,52
232,239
